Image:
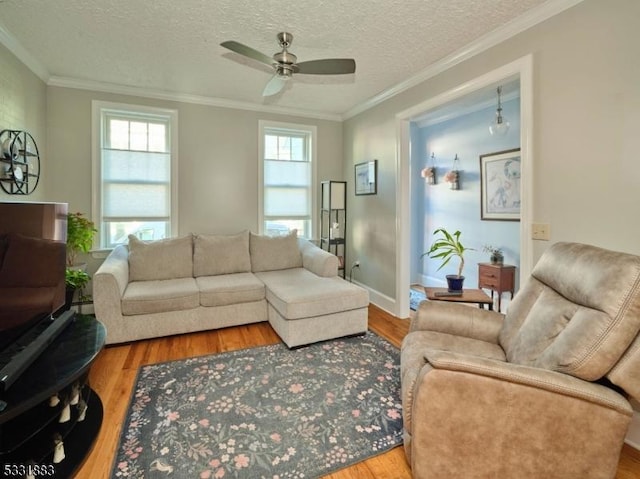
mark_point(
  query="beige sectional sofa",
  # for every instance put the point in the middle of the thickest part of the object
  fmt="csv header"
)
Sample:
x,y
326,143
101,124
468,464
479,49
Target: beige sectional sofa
x,y
199,282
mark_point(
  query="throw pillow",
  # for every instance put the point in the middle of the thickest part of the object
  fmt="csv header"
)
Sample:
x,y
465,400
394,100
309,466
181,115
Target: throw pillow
x,y
160,259
270,253
221,254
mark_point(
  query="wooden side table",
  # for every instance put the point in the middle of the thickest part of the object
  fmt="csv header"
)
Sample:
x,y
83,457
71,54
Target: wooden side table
x,y
467,296
497,277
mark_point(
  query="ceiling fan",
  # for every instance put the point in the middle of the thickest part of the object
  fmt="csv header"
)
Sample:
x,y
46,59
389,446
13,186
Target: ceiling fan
x,y
285,63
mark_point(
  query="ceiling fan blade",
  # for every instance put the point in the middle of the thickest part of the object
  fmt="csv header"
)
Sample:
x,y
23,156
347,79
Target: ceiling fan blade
x,y
275,85
328,66
247,52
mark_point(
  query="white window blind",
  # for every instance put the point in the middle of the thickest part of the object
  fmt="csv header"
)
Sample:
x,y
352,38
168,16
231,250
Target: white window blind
x,y
287,186
135,180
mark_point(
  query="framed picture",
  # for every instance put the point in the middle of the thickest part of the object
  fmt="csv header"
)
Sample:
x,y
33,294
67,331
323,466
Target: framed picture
x,y
366,178
500,185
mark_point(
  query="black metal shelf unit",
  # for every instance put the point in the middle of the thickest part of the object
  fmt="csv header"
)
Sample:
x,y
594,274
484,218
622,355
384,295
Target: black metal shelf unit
x,y
333,220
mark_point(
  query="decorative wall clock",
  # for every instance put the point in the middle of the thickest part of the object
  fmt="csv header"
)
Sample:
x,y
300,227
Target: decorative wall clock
x,y
19,162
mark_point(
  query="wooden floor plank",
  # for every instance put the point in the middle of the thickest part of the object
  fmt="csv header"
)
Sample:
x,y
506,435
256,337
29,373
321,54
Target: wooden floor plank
x,y
629,465
114,373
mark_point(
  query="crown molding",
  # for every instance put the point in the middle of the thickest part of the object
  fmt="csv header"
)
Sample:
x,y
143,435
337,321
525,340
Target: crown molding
x,y
66,82
15,47
516,26
491,39
430,120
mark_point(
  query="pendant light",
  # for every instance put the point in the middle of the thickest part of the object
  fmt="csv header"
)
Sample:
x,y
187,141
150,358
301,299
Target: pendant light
x,y
500,125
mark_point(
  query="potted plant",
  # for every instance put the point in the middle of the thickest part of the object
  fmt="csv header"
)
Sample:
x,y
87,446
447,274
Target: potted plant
x,y
446,247
74,279
497,257
80,233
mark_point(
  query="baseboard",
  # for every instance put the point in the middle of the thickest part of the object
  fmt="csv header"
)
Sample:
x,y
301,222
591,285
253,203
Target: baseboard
x,y
380,300
84,309
633,435
432,281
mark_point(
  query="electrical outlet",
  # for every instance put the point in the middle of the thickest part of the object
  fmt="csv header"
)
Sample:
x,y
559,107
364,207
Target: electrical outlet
x,y
541,231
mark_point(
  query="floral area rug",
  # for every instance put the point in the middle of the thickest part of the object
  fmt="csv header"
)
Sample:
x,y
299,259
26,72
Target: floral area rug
x,y
265,412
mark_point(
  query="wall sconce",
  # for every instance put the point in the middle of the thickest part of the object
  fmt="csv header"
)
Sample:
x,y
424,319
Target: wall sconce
x,y
453,177
429,172
500,125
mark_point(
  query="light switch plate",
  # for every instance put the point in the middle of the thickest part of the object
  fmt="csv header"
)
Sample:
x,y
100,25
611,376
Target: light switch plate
x,y
541,231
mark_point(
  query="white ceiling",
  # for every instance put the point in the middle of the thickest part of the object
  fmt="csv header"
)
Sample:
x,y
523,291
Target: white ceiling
x,y
172,48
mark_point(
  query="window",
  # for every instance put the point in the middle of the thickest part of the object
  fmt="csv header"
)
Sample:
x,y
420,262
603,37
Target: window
x,y
135,166
287,178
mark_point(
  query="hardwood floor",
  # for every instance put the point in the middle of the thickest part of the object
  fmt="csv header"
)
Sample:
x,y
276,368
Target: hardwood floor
x,y
114,373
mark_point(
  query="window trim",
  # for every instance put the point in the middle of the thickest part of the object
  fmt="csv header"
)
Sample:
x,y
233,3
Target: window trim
x,y
312,132
97,108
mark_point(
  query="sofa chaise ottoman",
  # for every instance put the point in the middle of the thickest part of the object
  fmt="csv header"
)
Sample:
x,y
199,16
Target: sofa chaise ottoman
x,y
199,282
304,308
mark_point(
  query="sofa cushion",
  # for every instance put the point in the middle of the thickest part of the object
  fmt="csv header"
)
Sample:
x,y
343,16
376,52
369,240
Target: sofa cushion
x,y
157,296
271,253
298,293
221,254
169,258
229,289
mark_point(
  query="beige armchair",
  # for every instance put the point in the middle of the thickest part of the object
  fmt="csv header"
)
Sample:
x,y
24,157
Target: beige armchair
x,y
538,393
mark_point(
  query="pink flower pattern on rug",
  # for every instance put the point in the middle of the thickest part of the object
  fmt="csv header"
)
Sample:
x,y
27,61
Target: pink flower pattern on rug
x,y
266,412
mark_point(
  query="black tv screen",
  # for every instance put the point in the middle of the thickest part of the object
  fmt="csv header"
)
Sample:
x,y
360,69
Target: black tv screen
x,y
32,265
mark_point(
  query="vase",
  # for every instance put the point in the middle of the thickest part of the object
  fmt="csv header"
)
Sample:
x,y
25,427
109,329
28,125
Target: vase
x,y
497,258
454,282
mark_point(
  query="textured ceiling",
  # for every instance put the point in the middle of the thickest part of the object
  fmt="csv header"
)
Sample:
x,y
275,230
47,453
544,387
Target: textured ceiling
x,y
173,46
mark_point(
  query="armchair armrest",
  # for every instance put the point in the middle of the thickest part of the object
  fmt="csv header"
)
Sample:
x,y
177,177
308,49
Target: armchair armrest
x,y
457,319
317,260
509,420
544,379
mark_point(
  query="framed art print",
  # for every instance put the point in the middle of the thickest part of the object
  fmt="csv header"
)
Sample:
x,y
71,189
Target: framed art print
x,y
500,185
366,178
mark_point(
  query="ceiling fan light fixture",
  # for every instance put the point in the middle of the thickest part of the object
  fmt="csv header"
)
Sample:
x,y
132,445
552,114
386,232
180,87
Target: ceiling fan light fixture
x,y
284,71
286,63
500,125
285,58
275,85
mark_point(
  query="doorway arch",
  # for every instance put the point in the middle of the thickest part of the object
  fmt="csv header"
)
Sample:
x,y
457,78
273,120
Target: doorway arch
x,y
521,69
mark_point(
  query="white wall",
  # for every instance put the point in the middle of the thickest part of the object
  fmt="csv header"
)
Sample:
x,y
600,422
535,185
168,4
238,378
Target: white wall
x,y
586,117
23,107
585,142
218,157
